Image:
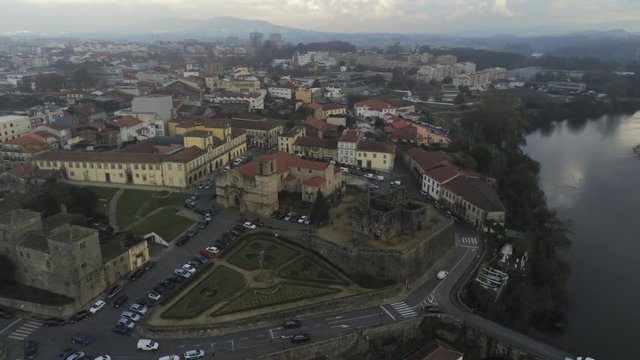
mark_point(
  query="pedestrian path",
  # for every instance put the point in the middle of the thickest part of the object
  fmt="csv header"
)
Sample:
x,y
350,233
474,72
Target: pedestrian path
x,y
23,331
468,240
403,309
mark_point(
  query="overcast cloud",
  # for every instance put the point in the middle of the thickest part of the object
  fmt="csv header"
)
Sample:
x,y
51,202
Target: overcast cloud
x,y
434,16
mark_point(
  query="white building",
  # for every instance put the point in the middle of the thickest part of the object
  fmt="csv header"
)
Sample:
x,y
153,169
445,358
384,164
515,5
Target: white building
x,y
13,126
347,144
304,58
132,128
374,109
433,179
464,68
254,100
435,72
281,92
333,92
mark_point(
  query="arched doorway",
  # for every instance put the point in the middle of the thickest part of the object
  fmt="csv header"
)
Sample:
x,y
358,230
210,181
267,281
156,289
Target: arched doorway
x,y
236,200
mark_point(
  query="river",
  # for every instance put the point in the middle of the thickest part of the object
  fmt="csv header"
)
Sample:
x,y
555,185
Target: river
x,y
592,178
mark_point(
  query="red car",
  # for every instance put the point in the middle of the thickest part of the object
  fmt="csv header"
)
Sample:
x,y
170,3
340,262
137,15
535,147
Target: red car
x,y
206,253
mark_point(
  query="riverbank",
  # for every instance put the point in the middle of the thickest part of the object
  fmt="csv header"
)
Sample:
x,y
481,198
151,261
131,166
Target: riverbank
x,y
636,150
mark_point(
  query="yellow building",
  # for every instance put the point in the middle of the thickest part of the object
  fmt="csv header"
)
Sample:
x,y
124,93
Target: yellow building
x,y
146,163
375,155
119,260
304,95
286,139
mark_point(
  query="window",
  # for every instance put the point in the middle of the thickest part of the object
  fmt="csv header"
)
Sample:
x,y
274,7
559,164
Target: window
x,y
21,254
83,265
119,166
113,166
135,166
168,166
71,173
83,245
375,156
90,165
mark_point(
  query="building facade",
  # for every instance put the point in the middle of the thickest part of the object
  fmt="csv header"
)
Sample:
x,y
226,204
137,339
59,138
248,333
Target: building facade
x,y
13,126
474,200
375,155
347,147
287,138
254,187
260,134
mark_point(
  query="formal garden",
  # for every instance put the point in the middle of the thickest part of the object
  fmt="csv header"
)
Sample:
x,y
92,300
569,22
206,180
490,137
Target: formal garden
x,y
262,273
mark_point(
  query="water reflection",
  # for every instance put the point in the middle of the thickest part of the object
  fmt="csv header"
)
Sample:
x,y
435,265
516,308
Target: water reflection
x,y
589,174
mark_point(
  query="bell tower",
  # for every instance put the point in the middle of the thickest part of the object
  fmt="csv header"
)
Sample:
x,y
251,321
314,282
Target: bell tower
x,y
265,167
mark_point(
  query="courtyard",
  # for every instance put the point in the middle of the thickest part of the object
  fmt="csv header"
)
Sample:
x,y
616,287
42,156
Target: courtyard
x,y
262,274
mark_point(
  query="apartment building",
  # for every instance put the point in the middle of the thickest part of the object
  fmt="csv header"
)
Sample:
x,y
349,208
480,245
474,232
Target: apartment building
x,y
287,138
259,133
375,155
13,126
347,147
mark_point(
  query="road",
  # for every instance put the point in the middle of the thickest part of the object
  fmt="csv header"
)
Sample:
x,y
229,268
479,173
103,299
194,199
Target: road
x,y
247,344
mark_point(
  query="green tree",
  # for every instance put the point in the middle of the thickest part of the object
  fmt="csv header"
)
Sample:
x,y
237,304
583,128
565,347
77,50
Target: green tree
x,y
49,82
320,212
379,123
459,99
82,78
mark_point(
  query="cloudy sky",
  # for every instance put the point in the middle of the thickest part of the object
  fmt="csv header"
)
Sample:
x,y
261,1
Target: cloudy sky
x,y
434,16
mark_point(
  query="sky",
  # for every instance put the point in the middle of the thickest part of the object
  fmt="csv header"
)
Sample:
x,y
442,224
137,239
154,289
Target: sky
x,y
523,17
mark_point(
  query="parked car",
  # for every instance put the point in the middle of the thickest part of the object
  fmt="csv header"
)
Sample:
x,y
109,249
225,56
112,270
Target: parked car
x,y
369,176
130,315
207,217
373,187
136,274
175,279
378,177
121,329
82,314
182,272
30,350
204,252
193,354
114,291
213,250
431,309
235,233
300,338
119,301
77,355
203,225
189,268
154,295
160,289
442,275
302,219
291,324
52,322
97,306
170,357
147,345
103,357
395,183
82,339
249,225
65,353
139,308
199,258
126,322
182,240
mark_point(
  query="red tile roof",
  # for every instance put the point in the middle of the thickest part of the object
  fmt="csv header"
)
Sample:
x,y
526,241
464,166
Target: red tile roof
x,y
404,133
22,170
290,178
125,122
283,162
443,173
331,106
350,136
376,146
428,159
375,104
253,124
316,181
314,106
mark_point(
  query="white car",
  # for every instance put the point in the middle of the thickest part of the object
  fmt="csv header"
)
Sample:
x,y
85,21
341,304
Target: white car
x,y
442,275
170,357
182,272
344,170
249,225
76,355
226,168
103,357
139,308
126,322
189,268
154,295
97,306
378,177
130,315
369,176
395,183
147,345
302,219
207,217
214,250
194,354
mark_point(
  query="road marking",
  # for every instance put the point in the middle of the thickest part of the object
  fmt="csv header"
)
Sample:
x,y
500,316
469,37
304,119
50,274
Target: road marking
x,y
10,325
15,337
441,282
334,318
353,318
404,309
388,313
244,338
343,326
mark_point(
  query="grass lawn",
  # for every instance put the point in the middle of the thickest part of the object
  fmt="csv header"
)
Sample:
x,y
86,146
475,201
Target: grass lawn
x,y
10,202
275,255
306,269
104,197
215,287
277,294
165,223
135,203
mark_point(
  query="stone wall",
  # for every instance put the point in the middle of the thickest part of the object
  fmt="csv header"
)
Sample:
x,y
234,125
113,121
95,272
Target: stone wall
x,y
410,263
63,311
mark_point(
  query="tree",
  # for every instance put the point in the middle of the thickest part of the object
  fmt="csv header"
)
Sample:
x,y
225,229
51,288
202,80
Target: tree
x,y
82,78
320,212
7,270
379,123
377,80
459,99
25,85
49,82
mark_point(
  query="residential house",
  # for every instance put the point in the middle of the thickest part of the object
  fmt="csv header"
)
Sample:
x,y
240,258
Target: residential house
x,y
322,111
13,126
246,101
23,149
287,138
315,148
260,134
419,162
372,109
131,128
475,200
347,144
321,129
24,179
375,155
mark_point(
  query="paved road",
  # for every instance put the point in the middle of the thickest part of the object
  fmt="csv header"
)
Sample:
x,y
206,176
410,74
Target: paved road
x,y
252,343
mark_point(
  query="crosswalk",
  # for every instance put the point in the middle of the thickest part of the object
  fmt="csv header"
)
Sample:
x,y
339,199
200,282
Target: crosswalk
x,y
468,240
403,309
23,331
